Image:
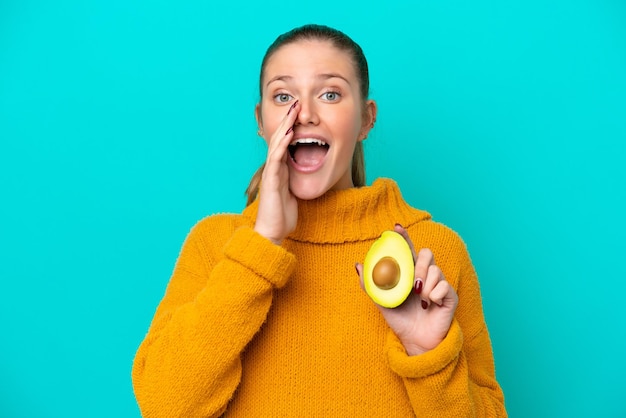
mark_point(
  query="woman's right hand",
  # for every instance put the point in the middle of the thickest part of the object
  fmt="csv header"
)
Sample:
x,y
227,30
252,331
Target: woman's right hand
x,y
278,208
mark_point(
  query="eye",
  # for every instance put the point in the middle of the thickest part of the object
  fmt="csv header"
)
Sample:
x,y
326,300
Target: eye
x,y
282,98
331,96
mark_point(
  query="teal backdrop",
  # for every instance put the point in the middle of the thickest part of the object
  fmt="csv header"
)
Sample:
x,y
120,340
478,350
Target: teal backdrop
x,y
124,122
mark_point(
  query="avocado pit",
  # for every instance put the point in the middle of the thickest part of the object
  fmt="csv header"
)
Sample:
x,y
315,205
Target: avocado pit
x,y
386,273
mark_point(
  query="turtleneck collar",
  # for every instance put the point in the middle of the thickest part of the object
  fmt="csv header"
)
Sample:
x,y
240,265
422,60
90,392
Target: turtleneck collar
x,y
350,215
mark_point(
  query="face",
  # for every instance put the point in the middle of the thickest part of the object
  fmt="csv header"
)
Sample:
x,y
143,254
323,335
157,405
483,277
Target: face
x,y
332,115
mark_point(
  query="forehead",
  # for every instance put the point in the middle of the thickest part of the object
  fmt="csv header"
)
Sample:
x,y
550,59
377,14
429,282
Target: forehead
x,y
308,58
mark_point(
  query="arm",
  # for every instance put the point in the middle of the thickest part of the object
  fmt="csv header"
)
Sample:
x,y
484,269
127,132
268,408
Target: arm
x,y
189,363
438,341
456,378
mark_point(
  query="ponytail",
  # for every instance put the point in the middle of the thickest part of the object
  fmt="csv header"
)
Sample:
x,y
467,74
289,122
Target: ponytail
x,y
253,188
358,166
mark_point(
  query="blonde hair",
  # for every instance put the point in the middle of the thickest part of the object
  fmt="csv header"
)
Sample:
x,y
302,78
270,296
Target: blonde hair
x,y
343,42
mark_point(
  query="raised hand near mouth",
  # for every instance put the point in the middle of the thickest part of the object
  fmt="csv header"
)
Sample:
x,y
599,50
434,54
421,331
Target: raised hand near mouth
x,y
278,208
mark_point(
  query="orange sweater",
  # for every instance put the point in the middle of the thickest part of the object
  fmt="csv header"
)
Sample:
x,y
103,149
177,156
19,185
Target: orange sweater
x,y
251,329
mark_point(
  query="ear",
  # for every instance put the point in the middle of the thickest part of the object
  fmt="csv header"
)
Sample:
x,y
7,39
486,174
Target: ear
x,y
257,116
370,111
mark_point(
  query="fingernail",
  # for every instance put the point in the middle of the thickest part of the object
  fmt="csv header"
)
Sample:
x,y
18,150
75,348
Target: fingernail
x,y
356,267
418,286
289,130
424,304
399,225
292,106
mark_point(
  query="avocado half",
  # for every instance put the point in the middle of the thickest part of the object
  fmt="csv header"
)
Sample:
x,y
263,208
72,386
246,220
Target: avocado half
x,y
388,270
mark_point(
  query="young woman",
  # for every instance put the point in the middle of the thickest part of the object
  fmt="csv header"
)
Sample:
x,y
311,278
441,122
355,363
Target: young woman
x,y
264,315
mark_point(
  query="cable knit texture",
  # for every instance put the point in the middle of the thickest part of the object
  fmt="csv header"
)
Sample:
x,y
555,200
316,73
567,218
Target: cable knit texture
x,y
250,329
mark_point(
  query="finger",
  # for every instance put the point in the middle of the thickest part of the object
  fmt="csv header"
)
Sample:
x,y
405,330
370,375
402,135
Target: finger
x,y
359,271
433,277
443,293
418,277
400,230
423,261
281,136
277,151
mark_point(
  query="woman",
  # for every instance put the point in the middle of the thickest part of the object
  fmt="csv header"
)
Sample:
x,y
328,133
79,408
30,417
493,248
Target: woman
x,y
264,316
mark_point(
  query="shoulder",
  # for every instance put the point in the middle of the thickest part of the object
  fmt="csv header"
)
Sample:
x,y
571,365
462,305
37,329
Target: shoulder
x,y
438,237
449,249
220,221
215,230
420,223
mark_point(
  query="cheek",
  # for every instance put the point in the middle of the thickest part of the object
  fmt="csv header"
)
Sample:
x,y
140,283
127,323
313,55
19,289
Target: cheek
x,y
352,126
346,124
269,126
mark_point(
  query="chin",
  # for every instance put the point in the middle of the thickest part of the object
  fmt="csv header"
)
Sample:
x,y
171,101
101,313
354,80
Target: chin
x,y
307,190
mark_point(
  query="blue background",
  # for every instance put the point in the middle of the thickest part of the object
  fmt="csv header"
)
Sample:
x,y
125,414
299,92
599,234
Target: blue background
x,y
124,122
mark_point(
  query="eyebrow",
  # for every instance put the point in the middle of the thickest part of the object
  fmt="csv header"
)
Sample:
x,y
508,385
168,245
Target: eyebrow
x,y
324,76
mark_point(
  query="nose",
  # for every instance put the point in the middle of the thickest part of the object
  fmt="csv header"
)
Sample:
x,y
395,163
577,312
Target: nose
x,y
308,114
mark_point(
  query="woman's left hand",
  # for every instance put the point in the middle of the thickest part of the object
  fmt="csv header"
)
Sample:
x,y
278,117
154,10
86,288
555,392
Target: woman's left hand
x,y
423,320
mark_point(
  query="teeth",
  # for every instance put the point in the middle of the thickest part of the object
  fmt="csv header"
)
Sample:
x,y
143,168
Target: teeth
x,y
308,141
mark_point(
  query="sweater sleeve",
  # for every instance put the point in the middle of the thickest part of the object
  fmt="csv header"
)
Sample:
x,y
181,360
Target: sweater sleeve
x,y
189,363
456,378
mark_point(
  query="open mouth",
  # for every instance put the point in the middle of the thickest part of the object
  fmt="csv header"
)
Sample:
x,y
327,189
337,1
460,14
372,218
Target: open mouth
x,y
308,152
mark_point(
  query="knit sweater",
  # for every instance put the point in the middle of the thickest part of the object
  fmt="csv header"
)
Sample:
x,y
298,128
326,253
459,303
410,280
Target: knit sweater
x,y
251,329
